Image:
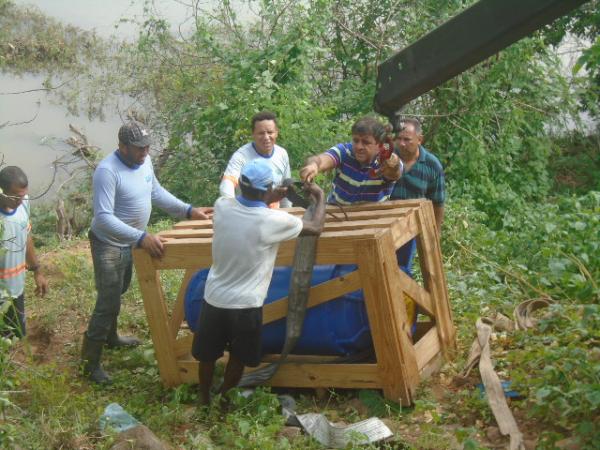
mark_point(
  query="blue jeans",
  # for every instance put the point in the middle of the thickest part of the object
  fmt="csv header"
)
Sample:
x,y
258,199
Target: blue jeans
x,y
405,256
112,272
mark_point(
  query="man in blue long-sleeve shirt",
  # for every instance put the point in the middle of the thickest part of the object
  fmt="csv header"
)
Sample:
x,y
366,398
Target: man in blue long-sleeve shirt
x,y
125,188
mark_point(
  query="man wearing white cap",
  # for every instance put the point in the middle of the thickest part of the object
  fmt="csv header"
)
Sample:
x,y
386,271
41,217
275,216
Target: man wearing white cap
x,y
245,242
125,189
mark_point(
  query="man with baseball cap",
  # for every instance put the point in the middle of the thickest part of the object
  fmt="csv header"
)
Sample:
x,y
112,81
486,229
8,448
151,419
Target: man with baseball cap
x,y
245,242
125,188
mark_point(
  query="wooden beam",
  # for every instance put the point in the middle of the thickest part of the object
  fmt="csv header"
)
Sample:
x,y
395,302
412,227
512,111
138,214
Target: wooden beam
x,y
318,294
390,327
427,348
346,225
158,317
392,204
183,345
178,313
415,292
405,228
350,376
195,254
430,257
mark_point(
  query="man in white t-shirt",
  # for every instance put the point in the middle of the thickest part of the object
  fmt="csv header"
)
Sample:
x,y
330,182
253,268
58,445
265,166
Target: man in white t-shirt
x,y
246,239
264,133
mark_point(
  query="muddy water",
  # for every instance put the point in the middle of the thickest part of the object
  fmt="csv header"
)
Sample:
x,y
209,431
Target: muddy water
x,y
35,145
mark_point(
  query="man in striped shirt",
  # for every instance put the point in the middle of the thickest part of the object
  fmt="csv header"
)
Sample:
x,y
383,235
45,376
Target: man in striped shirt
x,y
17,254
423,178
359,177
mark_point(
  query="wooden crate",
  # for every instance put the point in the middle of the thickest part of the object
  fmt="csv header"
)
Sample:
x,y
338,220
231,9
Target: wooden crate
x,y
367,236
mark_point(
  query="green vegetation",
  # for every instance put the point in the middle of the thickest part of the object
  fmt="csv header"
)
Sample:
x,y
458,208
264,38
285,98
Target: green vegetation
x,y
523,217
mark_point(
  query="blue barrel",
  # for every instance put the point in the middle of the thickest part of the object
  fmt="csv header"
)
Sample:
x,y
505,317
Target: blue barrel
x,y
337,327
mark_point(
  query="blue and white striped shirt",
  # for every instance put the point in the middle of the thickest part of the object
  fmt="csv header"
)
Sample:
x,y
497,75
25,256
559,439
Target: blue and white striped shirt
x,y
352,182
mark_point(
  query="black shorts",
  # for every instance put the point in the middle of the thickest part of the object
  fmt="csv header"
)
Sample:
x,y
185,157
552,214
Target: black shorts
x,y
237,330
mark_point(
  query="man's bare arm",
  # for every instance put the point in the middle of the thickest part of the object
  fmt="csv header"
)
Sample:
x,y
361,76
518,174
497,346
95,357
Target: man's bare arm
x,y
314,165
314,226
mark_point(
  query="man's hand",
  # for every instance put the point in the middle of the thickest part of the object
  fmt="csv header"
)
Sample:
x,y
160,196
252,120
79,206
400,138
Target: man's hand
x,y
309,172
201,213
41,284
153,245
314,190
276,195
390,169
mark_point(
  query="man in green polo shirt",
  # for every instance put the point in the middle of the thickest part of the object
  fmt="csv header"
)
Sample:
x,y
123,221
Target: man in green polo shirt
x,y
423,178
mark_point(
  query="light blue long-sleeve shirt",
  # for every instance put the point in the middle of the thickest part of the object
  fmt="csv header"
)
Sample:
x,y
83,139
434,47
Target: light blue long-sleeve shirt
x,y
123,199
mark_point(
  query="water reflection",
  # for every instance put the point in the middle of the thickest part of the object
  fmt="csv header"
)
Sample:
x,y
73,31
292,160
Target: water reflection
x,y
35,145
35,129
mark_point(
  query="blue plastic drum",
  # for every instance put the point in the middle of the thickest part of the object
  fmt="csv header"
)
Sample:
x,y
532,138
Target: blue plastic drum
x,y
337,327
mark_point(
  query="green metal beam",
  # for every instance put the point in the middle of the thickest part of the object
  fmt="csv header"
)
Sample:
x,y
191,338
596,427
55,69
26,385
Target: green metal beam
x,y
481,30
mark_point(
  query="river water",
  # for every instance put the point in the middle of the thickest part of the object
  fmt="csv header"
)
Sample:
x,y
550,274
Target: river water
x,y
35,145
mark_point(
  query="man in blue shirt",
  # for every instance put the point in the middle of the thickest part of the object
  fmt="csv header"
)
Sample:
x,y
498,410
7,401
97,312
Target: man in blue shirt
x,y
125,188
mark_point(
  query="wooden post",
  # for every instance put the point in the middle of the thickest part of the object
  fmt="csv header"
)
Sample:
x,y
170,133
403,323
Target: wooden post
x,y
430,256
158,317
390,328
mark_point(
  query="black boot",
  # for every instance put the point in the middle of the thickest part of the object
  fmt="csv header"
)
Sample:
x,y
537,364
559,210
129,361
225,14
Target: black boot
x,y
116,341
91,351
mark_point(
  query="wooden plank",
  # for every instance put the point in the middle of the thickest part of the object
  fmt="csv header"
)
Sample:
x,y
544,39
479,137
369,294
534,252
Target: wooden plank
x,y
301,359
158,318
206,223
405,228
366,215
196,253
387,318
430,257
384,222
415,292
339,231
178,313
351,376
427,347
393,204
181,233
183,345
366,211
318,294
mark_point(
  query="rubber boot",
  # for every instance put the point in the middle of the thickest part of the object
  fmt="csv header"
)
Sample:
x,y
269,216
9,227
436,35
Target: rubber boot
x,y
116,341
91,352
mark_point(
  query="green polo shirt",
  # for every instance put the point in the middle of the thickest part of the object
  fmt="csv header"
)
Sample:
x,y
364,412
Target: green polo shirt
x,y
425,179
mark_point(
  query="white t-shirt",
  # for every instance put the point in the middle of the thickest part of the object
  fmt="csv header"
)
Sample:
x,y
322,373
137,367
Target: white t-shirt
x,y
279,162
245,243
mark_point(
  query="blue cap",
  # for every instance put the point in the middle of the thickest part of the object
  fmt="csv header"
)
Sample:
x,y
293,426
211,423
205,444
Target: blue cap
x,y
257,174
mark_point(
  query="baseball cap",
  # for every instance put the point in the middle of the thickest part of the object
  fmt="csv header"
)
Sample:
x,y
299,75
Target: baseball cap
x,y
135,133
257,174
